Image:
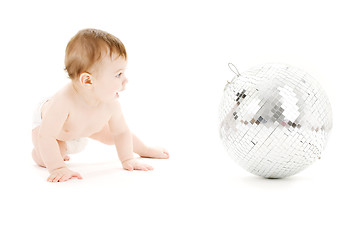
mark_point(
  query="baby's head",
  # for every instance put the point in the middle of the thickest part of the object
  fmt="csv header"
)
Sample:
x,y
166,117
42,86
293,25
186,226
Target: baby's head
x,y
96,60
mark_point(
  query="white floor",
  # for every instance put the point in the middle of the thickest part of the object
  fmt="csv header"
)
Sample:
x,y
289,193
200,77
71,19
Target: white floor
x,y
189,196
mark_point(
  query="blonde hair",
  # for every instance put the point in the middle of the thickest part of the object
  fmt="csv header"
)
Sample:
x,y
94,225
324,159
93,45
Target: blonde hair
x,y
87,47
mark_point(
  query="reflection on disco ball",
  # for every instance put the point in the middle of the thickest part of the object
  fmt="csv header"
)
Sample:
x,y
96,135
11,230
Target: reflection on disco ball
x,y
274,120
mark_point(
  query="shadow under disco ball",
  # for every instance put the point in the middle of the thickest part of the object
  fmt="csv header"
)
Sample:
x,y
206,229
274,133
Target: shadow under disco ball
x,y
274,120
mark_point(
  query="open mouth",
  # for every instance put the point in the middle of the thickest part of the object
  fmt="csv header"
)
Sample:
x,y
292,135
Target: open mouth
x,y
117,94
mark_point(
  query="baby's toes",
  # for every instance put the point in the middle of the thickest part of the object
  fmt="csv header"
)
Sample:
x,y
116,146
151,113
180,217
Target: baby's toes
x,y
161,153
166,154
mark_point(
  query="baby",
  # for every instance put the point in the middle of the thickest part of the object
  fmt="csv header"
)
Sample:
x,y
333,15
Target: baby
x,y
88,107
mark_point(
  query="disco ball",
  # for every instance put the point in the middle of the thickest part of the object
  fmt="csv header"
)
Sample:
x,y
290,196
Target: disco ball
x,y
275,120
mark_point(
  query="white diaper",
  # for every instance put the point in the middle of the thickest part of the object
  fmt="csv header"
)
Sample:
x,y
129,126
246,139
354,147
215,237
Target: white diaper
x,y
76,145
73,146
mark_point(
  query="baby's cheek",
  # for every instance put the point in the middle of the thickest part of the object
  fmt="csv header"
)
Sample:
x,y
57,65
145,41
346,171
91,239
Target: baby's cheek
x,y
119,85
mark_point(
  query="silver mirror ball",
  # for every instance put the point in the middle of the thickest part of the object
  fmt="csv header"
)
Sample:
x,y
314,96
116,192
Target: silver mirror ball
x,y
275,120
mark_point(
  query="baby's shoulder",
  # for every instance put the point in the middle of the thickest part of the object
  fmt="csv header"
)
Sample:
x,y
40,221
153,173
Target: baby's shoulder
x,y
64,95
61,98
58,104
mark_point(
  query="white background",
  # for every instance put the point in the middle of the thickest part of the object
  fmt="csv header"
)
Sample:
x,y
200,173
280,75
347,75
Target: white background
x,y
178,54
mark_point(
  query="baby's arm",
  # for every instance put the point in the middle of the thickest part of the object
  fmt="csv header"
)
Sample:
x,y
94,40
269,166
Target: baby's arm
x,y
123,140
50,127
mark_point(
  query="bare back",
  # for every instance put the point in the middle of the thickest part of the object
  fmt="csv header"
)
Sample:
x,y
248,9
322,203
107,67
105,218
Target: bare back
x,y
82,120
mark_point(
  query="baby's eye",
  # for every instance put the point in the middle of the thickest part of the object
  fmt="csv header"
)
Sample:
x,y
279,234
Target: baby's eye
x,y
118,75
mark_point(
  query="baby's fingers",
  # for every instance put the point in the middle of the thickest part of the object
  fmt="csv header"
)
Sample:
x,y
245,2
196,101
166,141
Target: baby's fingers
x,y
149,167
128,167
144,167
51,177
67,177
54,177
78,176
57,178
64,178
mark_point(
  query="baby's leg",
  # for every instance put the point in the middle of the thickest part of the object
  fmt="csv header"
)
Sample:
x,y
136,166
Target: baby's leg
x,y
35,152
140,148
107,138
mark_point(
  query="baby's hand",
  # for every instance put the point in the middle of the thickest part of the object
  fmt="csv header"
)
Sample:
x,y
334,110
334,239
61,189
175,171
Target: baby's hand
x,y
133,164
62,175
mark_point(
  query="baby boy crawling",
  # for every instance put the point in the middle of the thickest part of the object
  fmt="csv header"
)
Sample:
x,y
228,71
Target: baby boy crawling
x,y
88,107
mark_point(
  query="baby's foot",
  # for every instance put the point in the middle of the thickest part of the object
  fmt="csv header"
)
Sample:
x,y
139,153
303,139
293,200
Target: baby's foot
x,y
66,158
156,152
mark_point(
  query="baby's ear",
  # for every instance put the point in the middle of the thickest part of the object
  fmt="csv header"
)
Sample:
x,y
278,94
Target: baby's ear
x,y
85,79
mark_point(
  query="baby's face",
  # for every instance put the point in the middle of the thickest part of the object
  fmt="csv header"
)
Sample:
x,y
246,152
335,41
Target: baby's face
x,y
109,78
